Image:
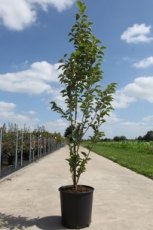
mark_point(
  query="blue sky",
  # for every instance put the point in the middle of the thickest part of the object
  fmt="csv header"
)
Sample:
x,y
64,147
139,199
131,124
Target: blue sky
x,y
34,37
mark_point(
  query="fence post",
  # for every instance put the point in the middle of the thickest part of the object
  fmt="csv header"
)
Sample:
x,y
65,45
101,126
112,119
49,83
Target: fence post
x,y
45,145
16,151
33,148
38,146
1,133
30,149
22,149
40,149
48,145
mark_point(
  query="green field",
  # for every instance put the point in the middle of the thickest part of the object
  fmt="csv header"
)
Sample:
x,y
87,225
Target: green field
x,y
134,155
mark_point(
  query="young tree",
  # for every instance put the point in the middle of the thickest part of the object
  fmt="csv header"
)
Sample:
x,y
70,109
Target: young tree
x,y
87,102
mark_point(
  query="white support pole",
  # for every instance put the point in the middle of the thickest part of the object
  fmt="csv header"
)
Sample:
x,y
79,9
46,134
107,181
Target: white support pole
x,y
38,147
1,133
16,151
45,145
48,145
30,149
51,144
33,148
22,149
33,154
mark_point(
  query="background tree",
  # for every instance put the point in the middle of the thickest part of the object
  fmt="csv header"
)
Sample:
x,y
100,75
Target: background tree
x,y
68,132
140,138
148,136
119,138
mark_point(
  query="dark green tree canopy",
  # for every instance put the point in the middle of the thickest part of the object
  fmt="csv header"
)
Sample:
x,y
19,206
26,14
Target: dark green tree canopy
x,y
119,138
69,131
148,136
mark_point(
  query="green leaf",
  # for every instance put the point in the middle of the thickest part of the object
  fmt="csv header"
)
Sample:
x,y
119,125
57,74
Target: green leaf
x,y
77,16
84,154
81,6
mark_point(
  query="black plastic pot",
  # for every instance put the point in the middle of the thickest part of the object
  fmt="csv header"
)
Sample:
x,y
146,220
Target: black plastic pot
x,y
76,208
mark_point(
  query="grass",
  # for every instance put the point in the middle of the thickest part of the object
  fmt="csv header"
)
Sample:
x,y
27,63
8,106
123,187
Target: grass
x,y
136,156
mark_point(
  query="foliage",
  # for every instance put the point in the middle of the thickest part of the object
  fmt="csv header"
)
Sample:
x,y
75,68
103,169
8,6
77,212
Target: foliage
x,y
86,101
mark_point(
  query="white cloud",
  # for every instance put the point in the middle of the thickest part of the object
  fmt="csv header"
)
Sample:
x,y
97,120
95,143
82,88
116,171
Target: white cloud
x,y
19,14
8,114
60,5
112,119
128,128
35,80
148,118
122,99
16,15
31,112
138,33
140,89
58,125
6,106
147,62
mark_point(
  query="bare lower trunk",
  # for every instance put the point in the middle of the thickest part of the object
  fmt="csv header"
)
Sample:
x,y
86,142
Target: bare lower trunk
x,y
75,171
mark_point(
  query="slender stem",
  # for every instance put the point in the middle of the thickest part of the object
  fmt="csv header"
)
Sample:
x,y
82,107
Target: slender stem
x,y
92,119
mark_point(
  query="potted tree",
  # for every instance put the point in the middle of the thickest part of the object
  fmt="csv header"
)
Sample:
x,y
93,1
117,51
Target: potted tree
x,y
87,104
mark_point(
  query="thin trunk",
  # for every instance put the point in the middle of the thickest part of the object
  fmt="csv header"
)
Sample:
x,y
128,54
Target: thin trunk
x,y
75,172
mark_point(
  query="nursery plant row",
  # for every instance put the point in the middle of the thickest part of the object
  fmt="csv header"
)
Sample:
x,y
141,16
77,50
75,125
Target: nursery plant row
x,y
19,147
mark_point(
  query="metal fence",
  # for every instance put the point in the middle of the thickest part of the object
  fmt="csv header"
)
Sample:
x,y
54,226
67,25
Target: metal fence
x,y
19,148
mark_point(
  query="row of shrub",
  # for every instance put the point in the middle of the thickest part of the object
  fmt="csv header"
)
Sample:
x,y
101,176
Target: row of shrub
x,y
26,143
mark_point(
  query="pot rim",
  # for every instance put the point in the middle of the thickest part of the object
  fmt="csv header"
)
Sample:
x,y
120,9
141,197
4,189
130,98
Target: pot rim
x,y
69,186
